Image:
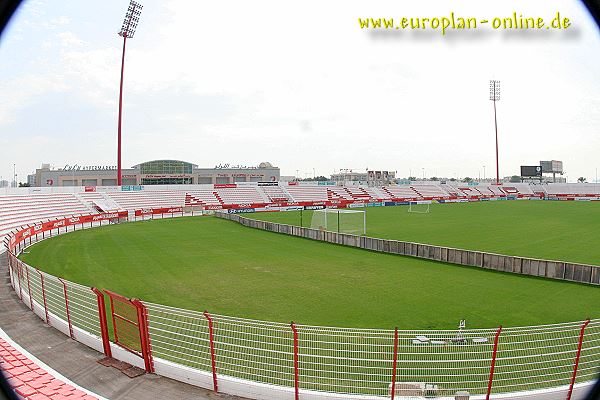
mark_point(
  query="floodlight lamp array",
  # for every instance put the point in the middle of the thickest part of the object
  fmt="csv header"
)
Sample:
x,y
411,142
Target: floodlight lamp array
x,y
494,90
132,17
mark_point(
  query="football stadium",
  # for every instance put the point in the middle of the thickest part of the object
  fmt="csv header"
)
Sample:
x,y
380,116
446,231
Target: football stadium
x,y
175,280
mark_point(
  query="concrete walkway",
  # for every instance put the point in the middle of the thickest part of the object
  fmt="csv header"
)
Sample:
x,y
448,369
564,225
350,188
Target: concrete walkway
x,y
78,362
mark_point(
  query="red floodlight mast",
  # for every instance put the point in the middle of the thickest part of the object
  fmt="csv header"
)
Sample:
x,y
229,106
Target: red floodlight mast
x,y
495,96
132,17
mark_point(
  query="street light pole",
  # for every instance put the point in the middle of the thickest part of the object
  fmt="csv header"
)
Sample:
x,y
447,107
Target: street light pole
x,y
132,17
495,96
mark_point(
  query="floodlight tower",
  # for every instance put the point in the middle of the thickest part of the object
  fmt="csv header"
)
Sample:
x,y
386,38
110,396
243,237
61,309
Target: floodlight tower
x,y
132,17
495,96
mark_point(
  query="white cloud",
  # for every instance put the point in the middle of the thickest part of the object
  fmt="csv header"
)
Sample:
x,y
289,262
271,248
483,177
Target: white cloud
x,y
222,81
59,21
21,92
68,39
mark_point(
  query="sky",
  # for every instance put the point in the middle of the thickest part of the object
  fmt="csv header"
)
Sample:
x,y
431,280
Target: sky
x,y
299,84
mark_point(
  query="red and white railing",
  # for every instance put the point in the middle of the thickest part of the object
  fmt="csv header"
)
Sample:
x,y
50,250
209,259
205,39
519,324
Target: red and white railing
x,y
260,359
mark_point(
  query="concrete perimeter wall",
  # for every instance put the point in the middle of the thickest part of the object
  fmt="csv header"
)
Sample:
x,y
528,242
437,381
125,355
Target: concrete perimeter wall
x,y
574,272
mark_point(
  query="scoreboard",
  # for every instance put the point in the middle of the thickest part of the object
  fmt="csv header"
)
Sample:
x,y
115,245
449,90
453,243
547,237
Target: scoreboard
x,y
528,171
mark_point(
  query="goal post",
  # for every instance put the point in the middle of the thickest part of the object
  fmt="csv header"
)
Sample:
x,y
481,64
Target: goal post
x,y
419,207
340,220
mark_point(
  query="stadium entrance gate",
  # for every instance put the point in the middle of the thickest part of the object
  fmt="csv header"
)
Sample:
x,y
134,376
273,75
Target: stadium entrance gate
x,y
130,326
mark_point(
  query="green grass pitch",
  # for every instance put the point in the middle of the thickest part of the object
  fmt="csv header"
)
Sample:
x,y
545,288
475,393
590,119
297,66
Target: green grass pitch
x,y
207,263
552,230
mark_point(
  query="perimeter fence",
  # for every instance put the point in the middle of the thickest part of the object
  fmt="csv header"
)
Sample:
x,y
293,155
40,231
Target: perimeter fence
x,y
315,361
567,271
371,362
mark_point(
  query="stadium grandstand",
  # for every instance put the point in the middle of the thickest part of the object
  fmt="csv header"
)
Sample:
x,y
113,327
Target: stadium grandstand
x,y
22,206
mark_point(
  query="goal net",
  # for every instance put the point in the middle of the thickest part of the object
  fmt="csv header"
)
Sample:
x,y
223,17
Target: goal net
x,y
419,207
342,221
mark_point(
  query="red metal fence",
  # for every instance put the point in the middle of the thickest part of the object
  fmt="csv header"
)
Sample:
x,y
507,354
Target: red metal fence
x,y
381,363
130,326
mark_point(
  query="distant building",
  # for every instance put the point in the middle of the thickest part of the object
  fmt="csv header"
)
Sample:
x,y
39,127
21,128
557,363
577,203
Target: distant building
x,y
157,172
348,175
371,178
380,178
31,180
287,178
3,184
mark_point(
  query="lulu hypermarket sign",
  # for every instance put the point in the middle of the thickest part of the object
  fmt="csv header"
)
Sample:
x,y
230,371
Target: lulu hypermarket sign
x,y
77,167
